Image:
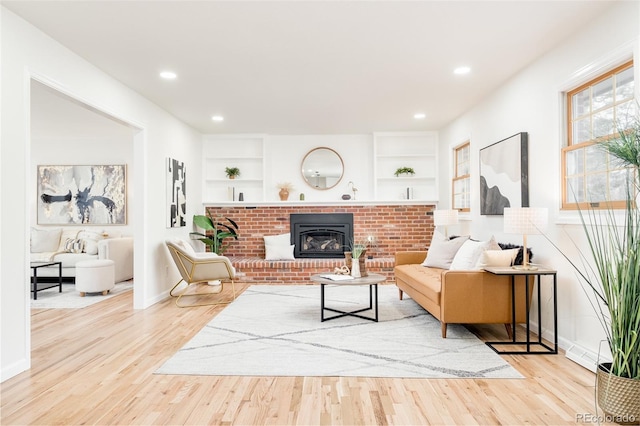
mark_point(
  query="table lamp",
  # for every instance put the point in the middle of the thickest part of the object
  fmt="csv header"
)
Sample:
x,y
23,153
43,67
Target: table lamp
x,y
525,221
445,218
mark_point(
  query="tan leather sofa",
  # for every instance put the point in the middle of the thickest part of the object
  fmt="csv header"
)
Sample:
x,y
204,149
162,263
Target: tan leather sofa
x,y
460,297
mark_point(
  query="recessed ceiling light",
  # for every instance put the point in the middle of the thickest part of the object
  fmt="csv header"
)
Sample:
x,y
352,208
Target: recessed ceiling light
x,y
217,118
419,115
462,70
168,75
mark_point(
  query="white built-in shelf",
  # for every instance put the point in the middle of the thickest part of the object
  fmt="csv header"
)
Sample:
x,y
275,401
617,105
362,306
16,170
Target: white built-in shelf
x,y
418,150
243,151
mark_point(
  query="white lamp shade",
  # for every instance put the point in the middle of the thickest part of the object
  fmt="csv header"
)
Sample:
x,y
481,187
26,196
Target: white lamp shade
x,y
445,217
525,220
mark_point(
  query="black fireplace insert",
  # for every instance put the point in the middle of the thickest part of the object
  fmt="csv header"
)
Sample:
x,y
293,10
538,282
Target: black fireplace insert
x,y
321,235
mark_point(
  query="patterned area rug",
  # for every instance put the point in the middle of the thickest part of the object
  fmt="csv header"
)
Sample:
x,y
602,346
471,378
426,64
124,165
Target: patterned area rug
x,y
51,298
276,331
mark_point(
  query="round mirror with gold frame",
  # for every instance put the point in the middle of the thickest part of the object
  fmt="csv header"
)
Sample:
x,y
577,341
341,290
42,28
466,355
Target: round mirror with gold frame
x,y
322,168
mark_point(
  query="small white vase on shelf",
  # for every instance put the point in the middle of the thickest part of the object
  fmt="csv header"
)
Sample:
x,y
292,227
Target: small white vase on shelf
x,y
355,268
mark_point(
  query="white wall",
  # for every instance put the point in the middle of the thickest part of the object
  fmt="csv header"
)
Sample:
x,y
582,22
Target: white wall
x,y
283,163
531,102
84,152
28,53
64,132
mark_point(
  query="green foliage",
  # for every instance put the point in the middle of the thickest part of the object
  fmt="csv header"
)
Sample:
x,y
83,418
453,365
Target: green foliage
x,y
616,281
232,171
626,148
357,248
612,271
404,170
215,231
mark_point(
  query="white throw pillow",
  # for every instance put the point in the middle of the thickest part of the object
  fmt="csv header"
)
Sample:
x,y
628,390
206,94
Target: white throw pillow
x,y
496,258
467,257
442,252
45,240
279,252
90,239
279,240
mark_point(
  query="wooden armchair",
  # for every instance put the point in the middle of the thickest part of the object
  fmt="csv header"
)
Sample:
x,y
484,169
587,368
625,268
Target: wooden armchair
x,y
200,268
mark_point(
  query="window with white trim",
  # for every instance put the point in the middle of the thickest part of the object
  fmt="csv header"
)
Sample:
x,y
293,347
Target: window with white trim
x,y
596,111
461,183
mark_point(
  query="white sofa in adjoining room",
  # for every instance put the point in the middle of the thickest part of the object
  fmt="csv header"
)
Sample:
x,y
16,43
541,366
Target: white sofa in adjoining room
x,y
71,246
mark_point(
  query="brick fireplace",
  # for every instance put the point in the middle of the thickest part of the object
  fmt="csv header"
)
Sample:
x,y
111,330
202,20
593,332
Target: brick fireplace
x,y
394,227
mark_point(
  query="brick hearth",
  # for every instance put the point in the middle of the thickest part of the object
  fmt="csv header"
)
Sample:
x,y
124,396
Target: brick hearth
x,y
395,227
251,269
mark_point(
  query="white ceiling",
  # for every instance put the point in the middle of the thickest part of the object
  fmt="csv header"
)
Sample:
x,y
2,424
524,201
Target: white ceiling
x,y
316,67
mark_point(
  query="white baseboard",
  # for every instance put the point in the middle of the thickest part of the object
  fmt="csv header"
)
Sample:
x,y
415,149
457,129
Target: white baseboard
x,y
14,369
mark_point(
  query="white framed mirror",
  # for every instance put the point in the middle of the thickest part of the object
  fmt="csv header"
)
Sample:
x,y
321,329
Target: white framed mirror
x,y
322,168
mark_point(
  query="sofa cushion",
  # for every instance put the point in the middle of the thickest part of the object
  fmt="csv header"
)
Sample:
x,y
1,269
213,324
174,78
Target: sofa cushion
x,y
69,260
424,280
442,252
45,240
467,257
90,239
496,258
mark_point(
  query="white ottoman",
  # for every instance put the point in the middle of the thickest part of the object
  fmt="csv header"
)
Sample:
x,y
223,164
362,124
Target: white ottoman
x,y
95,276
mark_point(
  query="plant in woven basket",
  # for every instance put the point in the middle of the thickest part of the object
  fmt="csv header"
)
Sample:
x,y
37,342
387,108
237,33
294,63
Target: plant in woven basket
x,y
611,274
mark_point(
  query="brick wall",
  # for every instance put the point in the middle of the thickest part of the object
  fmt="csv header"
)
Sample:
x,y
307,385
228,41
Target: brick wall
x,y
395,227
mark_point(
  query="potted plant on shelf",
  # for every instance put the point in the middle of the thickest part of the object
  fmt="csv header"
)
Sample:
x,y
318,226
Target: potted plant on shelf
x,y
404,171
232,172
285,189
216,230
614,283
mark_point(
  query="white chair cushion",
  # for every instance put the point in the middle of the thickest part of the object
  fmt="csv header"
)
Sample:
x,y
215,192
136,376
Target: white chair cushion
x,y
184,246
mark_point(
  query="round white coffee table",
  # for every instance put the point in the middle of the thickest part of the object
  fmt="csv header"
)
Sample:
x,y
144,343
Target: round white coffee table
x,y
372,280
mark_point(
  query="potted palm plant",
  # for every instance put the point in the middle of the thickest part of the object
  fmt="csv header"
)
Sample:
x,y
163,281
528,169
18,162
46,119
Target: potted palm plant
x,y
614,281
216,230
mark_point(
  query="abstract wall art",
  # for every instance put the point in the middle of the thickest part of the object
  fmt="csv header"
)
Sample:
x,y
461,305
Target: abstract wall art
x,y
176,193
504,175
82,195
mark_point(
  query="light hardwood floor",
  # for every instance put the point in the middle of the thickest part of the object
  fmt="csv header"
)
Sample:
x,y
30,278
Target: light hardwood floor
x,y
95,366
